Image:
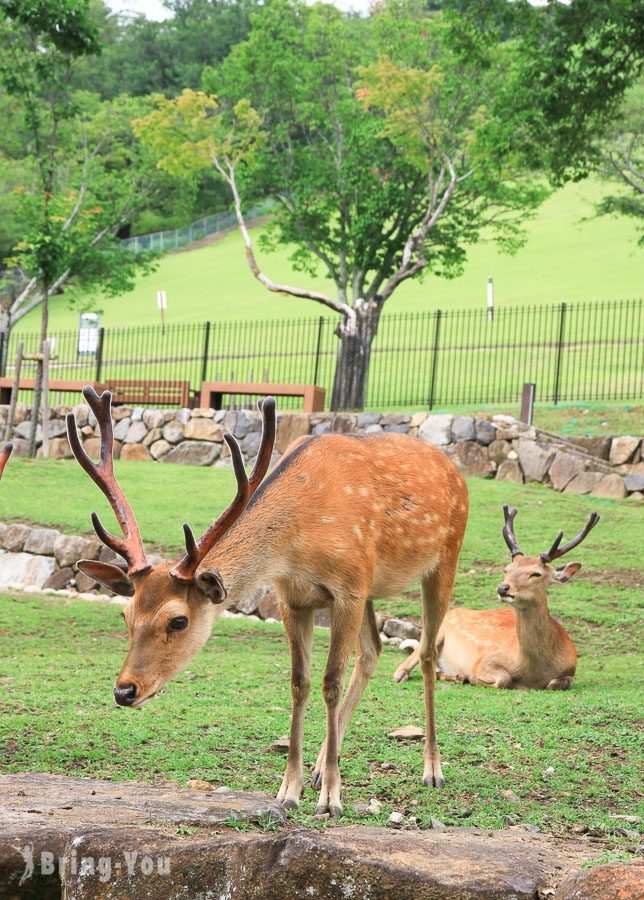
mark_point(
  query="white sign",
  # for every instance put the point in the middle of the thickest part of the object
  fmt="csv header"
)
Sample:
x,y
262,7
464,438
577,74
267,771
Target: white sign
x,y
87,334
490,299
162,303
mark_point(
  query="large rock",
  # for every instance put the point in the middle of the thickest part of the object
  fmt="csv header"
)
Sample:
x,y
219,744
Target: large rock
x,y
401,629
498,451
437,430
153,418
595,445
59,448
471,459
463,428
634,482
367,418
13,537
623,449
204,430
193,453
68,549
60,579
136,432
617,881
250,444
269,607
611,487
111,821
535,459
583,483
135,452
153,435
291,427
121,428
172,432
24,431
343,423
249,603
510,470
485,432
41,541
393,419
159,449
24,569
564,468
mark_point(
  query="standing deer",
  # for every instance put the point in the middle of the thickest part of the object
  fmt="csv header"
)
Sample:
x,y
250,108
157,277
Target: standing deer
x,y
523,647
342,519
5,453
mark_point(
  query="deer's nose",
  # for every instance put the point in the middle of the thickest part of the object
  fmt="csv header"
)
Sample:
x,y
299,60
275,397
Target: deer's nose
x,y
125,694
503,589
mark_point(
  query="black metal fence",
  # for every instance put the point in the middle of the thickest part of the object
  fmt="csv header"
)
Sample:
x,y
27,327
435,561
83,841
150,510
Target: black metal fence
x,y
573,352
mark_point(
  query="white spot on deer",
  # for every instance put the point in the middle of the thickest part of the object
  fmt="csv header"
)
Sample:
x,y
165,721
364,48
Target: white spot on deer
x,y
347,489
363,491
357,532
328,519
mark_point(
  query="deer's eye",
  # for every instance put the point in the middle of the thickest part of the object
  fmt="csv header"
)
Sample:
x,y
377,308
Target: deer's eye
x,y
535,574
178,623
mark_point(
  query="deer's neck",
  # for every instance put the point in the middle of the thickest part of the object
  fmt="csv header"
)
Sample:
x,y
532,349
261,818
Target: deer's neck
x,y
244,558
536,634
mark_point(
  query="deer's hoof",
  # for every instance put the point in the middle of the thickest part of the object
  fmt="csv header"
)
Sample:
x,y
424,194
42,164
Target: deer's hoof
x,y
399,677
290,804
336,812
434,782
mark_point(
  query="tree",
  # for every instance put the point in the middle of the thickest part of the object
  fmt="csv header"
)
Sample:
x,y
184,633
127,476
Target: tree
x,y
88,175
389,144
621,162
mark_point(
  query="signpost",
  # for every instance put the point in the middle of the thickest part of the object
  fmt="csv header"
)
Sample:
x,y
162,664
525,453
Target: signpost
x,y
162,303
490,299
88,334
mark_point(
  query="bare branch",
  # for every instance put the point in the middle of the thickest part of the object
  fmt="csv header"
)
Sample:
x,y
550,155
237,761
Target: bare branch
x,y
228,174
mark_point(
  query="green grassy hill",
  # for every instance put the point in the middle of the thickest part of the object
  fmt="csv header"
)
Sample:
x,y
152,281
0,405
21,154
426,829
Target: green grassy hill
x,y
565,258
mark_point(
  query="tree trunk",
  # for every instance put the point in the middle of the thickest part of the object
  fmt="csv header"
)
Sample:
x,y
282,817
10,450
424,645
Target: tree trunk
x,y
353,358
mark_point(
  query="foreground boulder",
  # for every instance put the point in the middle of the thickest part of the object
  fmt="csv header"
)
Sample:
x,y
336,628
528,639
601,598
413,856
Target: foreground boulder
x,y
130,840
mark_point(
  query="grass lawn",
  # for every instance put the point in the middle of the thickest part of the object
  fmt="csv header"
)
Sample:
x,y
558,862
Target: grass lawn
x,y
219,718
565,258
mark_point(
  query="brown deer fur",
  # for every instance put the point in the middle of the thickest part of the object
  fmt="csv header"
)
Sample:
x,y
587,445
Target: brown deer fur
x,y
342,520
522,647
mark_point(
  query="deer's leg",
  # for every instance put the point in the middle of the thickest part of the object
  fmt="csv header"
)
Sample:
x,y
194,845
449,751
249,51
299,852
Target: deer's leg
x,y
562,683
404,669
436,592
367,653
299,629
345,628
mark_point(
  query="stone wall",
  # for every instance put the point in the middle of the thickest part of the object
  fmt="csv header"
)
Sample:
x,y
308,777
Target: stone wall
x,y
485,446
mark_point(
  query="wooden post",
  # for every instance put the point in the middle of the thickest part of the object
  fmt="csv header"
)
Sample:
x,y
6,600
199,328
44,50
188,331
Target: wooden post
x,y
45,399
527,402
15,387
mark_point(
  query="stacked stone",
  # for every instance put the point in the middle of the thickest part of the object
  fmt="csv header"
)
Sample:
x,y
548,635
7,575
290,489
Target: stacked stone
x,y
482,446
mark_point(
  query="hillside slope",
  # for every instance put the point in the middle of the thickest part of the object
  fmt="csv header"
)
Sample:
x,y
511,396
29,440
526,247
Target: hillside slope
x,y
565,258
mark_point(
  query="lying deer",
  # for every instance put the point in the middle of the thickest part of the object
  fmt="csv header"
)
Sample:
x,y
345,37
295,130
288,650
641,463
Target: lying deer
x,y
523,647
342,519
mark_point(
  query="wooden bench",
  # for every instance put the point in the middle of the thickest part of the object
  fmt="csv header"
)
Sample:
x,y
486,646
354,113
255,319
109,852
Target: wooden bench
x,y
27,384
212,393
132,392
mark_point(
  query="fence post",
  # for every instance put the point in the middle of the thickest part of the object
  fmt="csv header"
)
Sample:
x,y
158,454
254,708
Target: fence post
x,y
562,318
317,351
206,347
3,360
432,388
99,354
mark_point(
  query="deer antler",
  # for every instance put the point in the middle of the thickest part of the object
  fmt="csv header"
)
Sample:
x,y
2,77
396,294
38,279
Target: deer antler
x,y
130,546
246,487
508,531
556,551
5,453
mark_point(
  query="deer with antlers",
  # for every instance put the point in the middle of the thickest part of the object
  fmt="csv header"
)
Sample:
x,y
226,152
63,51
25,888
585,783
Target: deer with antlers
x,y
522,647
341,520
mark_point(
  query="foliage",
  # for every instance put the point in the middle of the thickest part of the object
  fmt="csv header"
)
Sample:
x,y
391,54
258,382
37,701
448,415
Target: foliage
x,y
622,162
236,697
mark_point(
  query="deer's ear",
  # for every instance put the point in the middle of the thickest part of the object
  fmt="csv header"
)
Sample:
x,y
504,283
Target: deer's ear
x,y
210,583
111,577
564,573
